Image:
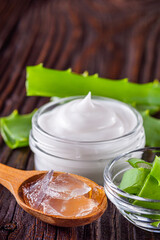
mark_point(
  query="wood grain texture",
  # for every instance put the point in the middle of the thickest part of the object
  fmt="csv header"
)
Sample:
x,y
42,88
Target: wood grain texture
x,y
114,38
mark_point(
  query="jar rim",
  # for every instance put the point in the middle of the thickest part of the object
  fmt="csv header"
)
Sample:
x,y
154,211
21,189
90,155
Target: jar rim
x,y
67,99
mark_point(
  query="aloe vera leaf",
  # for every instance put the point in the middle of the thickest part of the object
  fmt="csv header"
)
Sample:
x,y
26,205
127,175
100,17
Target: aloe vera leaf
x,y
151,187
47,82
133,180
137,163
147,185
150,190
143,107
15,129
151,124
152,129
155,224
155,172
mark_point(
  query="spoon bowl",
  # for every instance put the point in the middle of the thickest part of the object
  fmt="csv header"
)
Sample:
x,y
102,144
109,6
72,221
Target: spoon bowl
x,y
13,179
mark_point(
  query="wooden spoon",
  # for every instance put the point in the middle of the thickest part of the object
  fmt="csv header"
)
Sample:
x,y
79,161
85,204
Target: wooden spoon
x,y
13,179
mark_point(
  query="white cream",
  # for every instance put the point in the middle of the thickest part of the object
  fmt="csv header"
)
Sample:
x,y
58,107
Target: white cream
x,y
80,135
89,120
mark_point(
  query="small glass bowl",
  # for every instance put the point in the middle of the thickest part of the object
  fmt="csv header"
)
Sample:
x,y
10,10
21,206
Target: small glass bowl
x,y
142,217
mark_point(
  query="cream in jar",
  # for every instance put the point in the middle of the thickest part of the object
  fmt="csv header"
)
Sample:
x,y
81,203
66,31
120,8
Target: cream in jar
x,y
89,120
79,135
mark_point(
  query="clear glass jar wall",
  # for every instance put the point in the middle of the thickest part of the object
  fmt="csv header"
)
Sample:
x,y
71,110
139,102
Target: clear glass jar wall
x,y
86,158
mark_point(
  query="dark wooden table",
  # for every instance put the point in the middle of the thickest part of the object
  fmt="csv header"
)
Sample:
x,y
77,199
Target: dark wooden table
x,y
115,38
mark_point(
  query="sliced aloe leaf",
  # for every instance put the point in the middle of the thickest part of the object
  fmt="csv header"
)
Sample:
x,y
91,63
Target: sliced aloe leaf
x,y
150,190
137,163
15,129
133,180
155,172
155,224
151,187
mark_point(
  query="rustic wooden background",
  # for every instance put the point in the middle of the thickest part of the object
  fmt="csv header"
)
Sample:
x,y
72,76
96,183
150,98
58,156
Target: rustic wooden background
x,y
115,38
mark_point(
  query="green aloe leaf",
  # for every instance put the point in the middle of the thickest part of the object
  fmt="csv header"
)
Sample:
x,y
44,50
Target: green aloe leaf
x,y
155,224
133,180
151,187
153,109
155,172
15,129
47,82
137,163
144,183
152,129
150,190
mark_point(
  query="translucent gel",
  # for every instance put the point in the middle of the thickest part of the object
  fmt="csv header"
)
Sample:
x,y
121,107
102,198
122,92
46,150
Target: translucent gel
x,y
61,195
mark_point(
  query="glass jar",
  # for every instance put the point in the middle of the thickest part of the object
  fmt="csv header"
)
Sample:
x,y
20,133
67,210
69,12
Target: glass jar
x,y
85,158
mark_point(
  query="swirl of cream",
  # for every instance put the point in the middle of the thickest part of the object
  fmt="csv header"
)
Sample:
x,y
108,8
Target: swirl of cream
x,y
89,120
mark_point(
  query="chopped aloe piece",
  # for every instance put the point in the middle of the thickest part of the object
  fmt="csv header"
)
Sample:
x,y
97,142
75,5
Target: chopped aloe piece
x,y
150,190
15,129
155,224
137,163
155,172
133,180
151,187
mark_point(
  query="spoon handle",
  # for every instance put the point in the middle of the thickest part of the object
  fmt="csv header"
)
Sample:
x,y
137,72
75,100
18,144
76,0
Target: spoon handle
x,y
11,178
